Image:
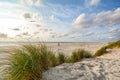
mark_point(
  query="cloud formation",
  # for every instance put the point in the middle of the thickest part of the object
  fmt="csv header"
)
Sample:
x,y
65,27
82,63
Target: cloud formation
x,y
102,19
27,15
88,34
115,33
114,30
25,33
38,25
2,35
32,2
16,29
52,18
81,21
92,2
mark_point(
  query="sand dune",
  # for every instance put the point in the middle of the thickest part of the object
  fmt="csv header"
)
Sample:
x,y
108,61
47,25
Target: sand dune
x,y
106,67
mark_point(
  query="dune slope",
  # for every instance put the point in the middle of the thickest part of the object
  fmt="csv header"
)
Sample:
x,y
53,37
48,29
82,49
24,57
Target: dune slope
x,y
105,67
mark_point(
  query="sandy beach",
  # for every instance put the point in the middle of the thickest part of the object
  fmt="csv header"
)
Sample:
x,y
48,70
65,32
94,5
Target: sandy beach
x,y
105,67
67,49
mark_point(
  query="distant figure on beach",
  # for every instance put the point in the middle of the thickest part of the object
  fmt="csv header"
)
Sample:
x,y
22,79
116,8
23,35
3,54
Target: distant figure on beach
x,y
58,44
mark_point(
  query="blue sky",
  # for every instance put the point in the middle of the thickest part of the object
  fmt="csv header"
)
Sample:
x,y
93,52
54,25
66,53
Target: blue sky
x,y
60,20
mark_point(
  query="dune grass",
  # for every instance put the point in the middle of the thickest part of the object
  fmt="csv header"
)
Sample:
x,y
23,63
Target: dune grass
x,y
78,55
61,58
30,61
114,44
103,50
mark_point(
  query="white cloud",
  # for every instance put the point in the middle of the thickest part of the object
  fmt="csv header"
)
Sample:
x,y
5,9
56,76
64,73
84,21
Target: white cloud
x,y
65,11
25,33
31,2
52,17
81,21
92,2
2,35
88,34
111,37
27,15
114,30
13,20
16,29
102,19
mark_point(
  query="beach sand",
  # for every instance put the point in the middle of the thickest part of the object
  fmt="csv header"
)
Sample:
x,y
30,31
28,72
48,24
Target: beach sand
x,y
105,67
67,49
5,51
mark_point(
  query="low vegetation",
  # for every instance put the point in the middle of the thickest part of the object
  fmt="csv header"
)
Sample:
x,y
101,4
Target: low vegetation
x,y
103,50
114,44
26,63
29,62
78,55
61,58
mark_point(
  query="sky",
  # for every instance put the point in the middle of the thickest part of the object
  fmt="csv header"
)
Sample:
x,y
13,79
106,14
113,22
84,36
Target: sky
x,y
59,20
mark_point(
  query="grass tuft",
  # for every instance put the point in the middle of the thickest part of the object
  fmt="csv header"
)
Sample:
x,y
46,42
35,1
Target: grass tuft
x,y
79,55
29,62
61,58
103,50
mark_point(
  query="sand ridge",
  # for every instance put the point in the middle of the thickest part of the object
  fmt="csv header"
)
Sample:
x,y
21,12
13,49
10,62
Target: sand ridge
x,y
106,67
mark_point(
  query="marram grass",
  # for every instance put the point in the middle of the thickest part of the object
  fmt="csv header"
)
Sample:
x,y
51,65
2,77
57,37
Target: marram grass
x,y
26,63
78,55
61,58
103,50
30,61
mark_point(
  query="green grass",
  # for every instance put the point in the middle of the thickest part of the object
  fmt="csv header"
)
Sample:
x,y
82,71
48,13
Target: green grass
x,y
103,50
61,58
78,55
100,51
114,44
30,61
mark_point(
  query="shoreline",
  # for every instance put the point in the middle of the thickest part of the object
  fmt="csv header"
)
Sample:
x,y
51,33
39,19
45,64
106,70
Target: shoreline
x,y
66,48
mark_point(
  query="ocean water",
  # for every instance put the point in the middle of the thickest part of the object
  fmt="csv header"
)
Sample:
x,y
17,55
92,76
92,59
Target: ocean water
x,y
14,43
9,44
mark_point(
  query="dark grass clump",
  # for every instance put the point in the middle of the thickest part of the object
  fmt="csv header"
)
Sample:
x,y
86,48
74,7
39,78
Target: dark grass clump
x,y
61,58
103,50
78,55
114,44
